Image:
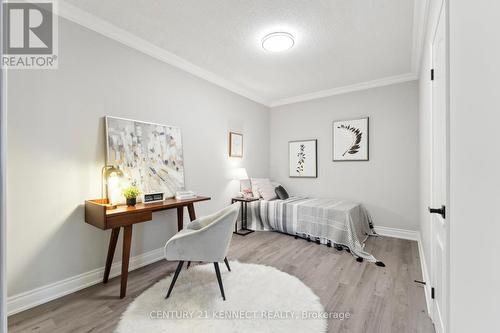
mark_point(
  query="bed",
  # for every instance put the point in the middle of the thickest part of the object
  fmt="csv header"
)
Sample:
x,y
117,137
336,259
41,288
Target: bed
x,y
333,222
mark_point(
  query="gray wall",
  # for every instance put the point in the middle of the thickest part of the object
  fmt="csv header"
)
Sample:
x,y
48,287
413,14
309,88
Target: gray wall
x,y
56,149
388,183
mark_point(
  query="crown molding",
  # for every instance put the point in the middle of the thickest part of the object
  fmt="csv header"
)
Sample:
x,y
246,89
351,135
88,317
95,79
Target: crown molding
x,y
346,89
109,30
92,22
420,16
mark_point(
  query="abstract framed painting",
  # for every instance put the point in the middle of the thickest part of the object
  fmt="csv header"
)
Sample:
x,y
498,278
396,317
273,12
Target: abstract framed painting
x,y
351,140
303,158
235,144
149,155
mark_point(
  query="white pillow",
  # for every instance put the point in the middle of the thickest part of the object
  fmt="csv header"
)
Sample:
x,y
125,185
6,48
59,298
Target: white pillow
x,y
255,182
262,187
267,191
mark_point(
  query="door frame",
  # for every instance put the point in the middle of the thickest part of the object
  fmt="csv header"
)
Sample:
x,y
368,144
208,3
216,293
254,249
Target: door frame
x,y
3,177
3,206
442,6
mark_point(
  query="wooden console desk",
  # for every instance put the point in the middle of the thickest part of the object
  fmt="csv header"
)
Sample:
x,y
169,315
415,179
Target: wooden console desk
x,y
104,217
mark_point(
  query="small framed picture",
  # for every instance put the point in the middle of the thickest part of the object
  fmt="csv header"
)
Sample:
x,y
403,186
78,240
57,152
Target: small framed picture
x,y
303,159
235,144
350,140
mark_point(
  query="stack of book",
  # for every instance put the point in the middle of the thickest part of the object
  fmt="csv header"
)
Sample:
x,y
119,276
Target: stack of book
x,y
184,195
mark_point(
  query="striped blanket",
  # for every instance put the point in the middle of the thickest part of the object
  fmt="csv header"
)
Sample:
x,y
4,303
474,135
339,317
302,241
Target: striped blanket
x,y
338,222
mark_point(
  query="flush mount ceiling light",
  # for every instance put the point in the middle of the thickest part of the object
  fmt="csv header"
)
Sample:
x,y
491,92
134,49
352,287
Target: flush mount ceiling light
x,y
278,42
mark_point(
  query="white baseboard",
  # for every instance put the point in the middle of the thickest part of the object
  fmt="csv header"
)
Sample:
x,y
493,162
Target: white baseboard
x,y
398,233
44,294
415,236
425,274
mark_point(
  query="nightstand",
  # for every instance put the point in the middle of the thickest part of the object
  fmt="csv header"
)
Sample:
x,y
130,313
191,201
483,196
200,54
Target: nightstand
x,y
244,208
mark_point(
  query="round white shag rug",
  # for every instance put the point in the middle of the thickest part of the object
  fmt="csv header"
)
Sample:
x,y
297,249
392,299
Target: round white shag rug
x,y
258,299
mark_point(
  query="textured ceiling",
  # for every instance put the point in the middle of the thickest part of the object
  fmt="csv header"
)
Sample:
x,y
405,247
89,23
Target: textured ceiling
x,y
337,42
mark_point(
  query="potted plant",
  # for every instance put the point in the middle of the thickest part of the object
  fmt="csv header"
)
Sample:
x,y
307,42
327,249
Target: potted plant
x,y
131,193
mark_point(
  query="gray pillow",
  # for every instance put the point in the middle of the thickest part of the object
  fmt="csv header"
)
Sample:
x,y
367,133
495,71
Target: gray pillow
x,y
281,193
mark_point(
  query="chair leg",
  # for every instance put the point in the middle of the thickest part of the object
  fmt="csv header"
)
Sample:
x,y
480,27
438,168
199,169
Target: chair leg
x,y
227,264
189,264
219,279
177,271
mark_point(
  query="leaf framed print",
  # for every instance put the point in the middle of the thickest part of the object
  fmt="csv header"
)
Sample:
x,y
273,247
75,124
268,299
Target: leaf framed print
x,y
351,140
303,158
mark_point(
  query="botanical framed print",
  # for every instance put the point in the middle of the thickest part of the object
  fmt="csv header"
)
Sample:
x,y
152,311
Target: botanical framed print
x,y
351,140
235,144
303,158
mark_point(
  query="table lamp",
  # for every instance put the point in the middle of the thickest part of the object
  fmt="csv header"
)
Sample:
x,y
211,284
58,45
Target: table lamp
x,y
240,174
110,175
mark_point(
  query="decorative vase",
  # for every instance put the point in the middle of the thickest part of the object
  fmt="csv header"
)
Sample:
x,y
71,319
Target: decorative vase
x,y
131,201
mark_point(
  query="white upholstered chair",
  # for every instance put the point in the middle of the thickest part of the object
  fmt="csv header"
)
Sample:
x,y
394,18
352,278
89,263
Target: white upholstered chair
x,y
205,239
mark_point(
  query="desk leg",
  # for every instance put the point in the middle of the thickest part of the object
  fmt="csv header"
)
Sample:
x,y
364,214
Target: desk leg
x,y
111,252
180,218
127,240
192,214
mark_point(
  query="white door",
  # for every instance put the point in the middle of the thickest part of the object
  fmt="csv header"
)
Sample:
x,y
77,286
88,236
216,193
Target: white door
x,y
439,176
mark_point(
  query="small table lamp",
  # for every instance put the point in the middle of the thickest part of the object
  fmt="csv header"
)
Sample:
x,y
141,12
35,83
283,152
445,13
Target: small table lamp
x,y
240,174
110,175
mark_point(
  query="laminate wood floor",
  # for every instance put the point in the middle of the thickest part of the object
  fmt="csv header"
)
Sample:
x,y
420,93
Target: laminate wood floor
x,y
378,299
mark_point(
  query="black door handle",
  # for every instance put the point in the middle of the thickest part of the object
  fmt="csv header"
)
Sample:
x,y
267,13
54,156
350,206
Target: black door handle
x,y
441,211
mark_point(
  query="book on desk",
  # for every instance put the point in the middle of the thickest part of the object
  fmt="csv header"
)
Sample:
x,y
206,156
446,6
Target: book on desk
x,y
183,195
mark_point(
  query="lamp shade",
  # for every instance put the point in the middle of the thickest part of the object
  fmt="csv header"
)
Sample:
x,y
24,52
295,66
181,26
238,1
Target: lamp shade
x,y
240,174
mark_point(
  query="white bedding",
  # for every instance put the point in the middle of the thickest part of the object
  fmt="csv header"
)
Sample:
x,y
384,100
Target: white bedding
x,y
334,221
